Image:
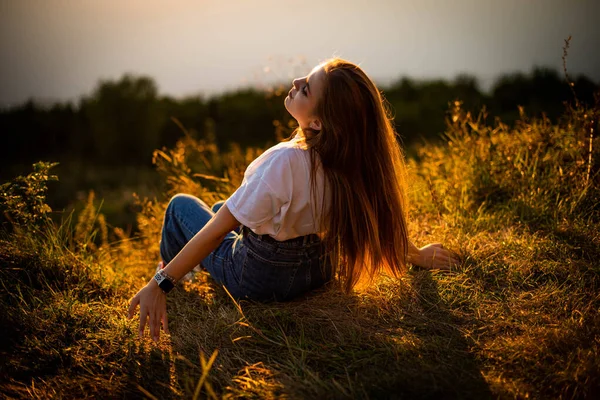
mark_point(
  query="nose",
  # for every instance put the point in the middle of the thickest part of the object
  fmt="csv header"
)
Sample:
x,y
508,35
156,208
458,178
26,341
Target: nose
x,y
296,82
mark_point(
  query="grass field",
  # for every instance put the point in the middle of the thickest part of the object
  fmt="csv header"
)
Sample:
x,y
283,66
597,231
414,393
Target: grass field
x,y
520,317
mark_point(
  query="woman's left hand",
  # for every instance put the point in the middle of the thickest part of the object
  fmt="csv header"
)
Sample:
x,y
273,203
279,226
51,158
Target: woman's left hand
x,y
435,256
153,309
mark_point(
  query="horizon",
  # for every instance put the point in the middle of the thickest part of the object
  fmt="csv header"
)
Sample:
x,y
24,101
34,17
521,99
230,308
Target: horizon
x,y
41,102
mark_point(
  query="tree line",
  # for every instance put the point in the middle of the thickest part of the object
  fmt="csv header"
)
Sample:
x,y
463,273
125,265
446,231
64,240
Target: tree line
x,y
121,122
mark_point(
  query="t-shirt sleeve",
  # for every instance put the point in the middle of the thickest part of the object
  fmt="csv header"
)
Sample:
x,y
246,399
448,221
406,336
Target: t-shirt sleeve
x,y
265,190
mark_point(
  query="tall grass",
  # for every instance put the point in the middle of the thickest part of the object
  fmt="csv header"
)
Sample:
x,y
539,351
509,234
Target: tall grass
x,y
518,318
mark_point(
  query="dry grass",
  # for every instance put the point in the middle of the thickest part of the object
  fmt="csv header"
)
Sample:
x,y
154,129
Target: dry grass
x,y
519,318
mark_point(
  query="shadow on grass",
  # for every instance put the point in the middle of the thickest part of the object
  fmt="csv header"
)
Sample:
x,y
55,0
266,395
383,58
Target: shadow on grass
x,y
396,341
149,371
449,368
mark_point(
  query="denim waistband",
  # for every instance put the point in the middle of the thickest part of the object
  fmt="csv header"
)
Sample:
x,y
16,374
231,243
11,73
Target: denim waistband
x,y
295,242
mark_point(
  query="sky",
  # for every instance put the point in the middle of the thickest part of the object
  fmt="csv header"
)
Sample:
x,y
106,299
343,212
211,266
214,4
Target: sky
x,y
58,50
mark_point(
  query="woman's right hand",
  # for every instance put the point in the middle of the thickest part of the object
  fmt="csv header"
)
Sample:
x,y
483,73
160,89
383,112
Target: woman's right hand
x,y
435,256
153,309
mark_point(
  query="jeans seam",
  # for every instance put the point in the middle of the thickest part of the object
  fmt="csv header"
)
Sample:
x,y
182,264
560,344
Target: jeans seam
x,y
308,274
242,273
291,282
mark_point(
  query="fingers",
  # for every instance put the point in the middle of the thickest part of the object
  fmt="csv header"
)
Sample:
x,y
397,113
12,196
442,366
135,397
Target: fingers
x,y
132,306
159,316
444,259
165,321
451,261
143,317
154,321
153,311
453,257
152,327
157,320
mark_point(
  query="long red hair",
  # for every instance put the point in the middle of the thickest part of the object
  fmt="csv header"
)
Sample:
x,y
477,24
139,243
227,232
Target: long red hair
x,y
365,227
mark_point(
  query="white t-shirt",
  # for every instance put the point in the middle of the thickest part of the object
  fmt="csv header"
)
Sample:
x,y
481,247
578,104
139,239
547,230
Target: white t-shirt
x,y
275,195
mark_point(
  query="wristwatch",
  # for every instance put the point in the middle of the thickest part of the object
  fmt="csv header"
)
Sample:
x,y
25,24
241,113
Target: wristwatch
x,y
165,281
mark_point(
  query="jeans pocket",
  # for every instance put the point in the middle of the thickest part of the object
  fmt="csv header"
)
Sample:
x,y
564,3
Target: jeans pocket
x,y
267,279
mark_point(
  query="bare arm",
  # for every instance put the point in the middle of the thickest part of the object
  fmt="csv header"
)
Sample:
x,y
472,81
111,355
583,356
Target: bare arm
x,y
152,300
200,246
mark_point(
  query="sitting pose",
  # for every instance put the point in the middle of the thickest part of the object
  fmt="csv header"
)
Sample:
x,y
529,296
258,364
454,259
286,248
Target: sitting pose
x,y
327,204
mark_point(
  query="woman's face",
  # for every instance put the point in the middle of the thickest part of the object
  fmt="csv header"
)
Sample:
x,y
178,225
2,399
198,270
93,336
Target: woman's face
x,y
302,98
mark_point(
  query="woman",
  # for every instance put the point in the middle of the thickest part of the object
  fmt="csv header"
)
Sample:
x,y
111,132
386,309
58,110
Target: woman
x,y
329,202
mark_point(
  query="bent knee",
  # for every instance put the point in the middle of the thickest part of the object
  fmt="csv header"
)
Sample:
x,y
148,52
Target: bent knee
x,y
181,199
217,205
186,201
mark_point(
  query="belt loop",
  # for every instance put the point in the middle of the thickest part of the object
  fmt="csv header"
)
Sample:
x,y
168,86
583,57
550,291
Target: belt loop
x,y
305,240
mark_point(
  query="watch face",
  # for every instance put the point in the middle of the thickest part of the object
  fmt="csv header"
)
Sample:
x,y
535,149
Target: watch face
x,y
163,282
166,285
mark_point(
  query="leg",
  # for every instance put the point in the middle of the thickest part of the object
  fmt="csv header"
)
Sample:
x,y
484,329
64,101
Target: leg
x,y
217,206
185,216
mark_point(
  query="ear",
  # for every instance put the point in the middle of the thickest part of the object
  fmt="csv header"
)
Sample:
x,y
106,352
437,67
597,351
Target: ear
x,y
315,124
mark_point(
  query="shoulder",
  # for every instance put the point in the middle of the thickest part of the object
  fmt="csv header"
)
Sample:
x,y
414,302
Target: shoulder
x,y
283,155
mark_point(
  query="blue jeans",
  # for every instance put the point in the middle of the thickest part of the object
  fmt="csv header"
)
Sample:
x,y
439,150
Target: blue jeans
x,y
250,266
